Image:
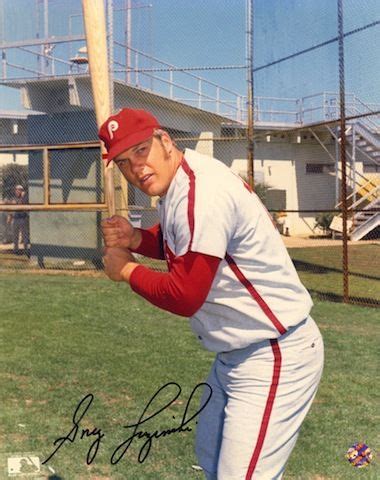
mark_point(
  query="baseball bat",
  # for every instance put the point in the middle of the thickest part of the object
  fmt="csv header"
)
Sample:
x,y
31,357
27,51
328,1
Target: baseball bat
x,y
96,39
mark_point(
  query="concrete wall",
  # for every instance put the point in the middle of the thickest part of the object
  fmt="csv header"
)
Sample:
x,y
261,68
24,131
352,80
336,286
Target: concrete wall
x,y
8,129
76,175
62,127
281,164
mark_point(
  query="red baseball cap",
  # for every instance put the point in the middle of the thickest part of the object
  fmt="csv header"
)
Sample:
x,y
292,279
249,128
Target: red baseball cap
x,y
126,129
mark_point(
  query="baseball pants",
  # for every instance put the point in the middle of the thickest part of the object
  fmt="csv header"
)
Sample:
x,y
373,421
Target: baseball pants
x,y
260,397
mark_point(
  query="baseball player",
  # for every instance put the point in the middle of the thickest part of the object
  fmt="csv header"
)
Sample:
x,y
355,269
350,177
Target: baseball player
x,y
229,272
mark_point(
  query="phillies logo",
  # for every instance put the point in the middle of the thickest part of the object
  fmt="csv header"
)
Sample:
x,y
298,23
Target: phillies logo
x,y
112,127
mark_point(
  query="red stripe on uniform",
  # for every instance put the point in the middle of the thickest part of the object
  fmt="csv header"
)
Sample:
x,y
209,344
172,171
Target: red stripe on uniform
x,y
191,199
268,409
255,294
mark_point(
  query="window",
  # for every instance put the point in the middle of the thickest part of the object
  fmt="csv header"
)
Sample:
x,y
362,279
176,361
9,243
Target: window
x,y
371,168
319,168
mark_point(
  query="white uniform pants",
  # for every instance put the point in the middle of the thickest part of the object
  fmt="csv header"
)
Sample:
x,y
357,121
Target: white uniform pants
x,y
260,397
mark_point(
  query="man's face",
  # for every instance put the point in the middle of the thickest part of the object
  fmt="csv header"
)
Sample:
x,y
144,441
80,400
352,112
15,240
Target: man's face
x,y
18,192
149,165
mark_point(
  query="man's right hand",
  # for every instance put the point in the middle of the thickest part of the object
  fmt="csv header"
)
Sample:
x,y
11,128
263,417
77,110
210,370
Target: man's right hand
x,y
119,232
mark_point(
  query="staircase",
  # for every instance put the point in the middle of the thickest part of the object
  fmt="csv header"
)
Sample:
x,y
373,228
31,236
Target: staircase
x,y
365,221
365,138
365,194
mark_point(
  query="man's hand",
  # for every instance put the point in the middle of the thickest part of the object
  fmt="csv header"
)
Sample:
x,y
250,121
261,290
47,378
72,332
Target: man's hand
x,y
118,232
118,263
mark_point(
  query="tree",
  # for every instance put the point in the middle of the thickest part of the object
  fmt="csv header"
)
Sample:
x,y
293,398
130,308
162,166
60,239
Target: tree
x,y
323,221
260,188
11,175
261,191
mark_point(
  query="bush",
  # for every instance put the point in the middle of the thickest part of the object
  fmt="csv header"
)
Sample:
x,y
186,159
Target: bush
x,y
323,221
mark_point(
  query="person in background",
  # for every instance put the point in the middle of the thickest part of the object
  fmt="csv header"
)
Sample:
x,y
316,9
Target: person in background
x,y
20,221
7,222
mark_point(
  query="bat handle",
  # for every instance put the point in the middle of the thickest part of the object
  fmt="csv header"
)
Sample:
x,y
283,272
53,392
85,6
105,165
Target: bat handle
x,y
109,189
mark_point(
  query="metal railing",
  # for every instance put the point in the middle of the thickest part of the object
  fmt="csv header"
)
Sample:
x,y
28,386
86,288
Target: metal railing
x,y
204,93
223,98
38,59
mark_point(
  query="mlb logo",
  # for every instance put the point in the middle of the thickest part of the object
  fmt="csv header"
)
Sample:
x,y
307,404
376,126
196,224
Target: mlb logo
x,y
27,465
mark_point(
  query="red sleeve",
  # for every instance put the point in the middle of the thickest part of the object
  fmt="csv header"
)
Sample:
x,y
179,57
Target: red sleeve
x,y
181,291
151,244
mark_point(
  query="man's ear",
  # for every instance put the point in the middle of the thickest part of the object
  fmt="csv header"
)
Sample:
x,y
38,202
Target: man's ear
x,y
167,142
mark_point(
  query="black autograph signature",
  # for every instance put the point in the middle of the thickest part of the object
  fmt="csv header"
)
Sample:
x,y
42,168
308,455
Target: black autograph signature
x,y
79,433
79,413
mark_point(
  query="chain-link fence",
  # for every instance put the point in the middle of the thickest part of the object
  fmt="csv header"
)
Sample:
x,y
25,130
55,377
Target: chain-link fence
x,y
284,92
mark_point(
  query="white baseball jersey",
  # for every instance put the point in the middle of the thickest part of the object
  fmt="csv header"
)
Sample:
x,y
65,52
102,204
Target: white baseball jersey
x,y
256,294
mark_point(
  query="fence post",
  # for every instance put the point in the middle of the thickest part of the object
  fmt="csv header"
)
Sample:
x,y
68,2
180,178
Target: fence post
x,y
250,95
343,151
46,175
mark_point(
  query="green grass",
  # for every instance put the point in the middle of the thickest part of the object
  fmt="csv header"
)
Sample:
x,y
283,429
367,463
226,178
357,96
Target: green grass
x,y
320,269
66,336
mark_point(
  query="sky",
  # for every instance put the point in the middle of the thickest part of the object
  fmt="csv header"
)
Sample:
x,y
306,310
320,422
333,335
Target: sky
x,y
212,33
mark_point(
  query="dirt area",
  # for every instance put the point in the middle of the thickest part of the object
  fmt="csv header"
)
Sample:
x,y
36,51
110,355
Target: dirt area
x,y
302,242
